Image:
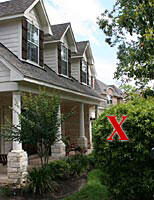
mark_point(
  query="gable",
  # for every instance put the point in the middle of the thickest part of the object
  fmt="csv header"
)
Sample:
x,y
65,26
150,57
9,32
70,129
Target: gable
x,y
69,40
8,72
4,73
34,18
37,13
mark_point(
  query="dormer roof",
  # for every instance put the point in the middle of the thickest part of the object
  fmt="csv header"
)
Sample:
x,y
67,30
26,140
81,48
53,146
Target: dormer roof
x,y
58,31
20,8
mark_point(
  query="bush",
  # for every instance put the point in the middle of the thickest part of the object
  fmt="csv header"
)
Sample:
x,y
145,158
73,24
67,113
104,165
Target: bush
x,y
128,169
78,164
40,181
45,179
59,170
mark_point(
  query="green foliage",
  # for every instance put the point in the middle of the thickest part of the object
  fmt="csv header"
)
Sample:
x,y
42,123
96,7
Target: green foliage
x,y
130,25
40,181
59,170
94,190
78,164
46,179
128,169
40,123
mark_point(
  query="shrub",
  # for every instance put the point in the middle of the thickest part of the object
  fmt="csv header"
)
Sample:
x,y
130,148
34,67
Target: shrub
x,y
46,179
40,181
59,170
128,169
78,164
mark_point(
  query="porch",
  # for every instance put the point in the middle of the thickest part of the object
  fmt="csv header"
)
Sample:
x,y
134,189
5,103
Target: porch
x,y
77,128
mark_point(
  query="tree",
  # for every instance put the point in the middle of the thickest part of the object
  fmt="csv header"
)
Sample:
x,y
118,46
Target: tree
x,y
130,26
39,122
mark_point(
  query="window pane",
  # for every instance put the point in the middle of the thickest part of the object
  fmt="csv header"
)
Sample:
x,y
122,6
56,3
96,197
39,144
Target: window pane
x,y
64,70
33,43
32,52
64,57
84,77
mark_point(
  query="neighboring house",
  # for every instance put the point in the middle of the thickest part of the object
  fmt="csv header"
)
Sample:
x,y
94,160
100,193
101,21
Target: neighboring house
x,y
112,94
32,54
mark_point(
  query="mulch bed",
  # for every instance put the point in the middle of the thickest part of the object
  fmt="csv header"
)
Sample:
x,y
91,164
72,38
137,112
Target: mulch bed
x,y
65,189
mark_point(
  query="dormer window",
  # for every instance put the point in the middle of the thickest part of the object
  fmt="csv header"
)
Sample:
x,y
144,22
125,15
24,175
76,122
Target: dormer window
x,y
109,99
64,59
84,72
33,43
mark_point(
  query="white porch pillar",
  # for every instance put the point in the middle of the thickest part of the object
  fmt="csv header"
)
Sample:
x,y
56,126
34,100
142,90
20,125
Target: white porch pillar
x,y
58,149
82,140
90,128
17,158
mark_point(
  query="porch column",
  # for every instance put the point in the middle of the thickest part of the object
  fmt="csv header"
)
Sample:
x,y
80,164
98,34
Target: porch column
x,y
82,140
90,128
17,158
58,149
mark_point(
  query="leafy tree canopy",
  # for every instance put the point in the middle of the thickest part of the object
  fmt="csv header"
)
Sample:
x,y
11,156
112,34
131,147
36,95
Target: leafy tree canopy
x,y
130,26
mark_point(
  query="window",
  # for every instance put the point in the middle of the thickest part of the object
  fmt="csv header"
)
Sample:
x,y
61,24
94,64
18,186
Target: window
x,y
64,57
84,71
33,43
109,99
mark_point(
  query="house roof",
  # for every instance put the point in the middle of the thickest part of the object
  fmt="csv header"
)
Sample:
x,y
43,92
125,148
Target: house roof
x,y
58,30
117,90
102,88
14,7
81,46
45,74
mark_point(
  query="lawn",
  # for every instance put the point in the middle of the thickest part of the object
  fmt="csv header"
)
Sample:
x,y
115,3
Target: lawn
x,y
94,190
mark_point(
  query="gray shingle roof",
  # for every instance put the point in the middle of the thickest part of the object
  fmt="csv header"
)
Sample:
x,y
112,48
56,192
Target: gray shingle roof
x,y
81,46
14,7
58,31
46,75
100,87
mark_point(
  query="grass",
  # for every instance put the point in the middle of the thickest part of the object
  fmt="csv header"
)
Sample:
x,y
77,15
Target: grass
x,y
94,190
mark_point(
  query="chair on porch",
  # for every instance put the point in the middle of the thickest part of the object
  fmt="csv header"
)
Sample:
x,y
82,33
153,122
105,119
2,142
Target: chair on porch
x,y
3,159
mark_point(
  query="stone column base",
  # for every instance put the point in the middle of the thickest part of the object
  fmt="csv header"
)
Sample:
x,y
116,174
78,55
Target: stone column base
x,y
83,142
17,167
58,150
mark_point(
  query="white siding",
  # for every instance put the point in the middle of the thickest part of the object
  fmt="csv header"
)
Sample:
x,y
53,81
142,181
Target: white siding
x,y
65,41
76,69
4,73
51,56
33,17
10,36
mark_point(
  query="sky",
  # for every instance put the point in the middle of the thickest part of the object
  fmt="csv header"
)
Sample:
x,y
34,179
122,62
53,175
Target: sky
x,y
83,16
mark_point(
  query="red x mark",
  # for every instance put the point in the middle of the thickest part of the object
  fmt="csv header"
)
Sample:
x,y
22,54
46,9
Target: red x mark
x,y
118,128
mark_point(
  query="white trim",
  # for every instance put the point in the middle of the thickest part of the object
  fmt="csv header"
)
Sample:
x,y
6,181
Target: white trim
x,y
69,27
11,17
8,86
59,88
76,56
54,41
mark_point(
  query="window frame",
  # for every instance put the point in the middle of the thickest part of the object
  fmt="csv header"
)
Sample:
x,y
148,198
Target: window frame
x,y
63,46
33,43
